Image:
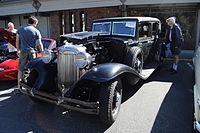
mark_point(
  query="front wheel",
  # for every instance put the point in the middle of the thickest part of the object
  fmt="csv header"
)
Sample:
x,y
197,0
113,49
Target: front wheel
x,y
110,100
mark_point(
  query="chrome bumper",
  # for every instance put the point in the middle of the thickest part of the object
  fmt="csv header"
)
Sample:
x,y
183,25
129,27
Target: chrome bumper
x,y
68,103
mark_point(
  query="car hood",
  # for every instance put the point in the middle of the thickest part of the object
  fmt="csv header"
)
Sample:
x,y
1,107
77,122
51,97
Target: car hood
x,y
8,36
91,34
81,35
9,64
3,45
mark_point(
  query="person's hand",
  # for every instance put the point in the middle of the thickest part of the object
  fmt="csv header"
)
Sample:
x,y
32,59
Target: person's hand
x,y
18,53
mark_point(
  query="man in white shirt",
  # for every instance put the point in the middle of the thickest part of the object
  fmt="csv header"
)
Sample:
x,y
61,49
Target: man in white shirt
x,y
12,29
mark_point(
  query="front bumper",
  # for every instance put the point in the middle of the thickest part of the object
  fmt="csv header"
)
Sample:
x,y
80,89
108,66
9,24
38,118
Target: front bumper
x,y
68,103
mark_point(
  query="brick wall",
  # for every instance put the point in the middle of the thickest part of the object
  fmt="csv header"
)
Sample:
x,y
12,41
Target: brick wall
x,y
90,15
54,25
102,12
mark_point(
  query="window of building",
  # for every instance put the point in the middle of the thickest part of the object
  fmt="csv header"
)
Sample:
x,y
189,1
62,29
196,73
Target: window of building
x,y
71,22
62,23
82,21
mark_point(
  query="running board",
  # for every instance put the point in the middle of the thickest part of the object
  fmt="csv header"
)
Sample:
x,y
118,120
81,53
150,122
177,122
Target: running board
x,y
148,70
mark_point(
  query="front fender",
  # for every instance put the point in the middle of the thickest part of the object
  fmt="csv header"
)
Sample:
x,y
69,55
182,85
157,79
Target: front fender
x,y
39,66
34,63
108,71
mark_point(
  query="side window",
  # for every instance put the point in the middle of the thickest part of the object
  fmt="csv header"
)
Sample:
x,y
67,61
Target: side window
x,y
155,29
144,30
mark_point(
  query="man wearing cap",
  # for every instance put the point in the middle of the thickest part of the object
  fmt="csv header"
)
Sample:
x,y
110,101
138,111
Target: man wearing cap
x,y
173,37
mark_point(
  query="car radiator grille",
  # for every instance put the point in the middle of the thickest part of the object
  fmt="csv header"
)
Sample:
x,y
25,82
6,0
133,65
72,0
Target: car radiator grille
x,y
68,72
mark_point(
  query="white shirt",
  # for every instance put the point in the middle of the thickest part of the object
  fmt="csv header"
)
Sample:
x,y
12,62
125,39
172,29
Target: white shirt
x,y
11,48
170,34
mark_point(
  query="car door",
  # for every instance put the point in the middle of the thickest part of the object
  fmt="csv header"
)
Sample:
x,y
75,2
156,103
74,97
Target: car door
x,y
145,39
197,83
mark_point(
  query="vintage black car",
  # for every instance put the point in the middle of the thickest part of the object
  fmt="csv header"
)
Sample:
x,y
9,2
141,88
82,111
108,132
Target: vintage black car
x,y
88,72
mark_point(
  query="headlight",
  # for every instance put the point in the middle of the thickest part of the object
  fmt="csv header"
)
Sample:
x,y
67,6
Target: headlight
x,y
47,56
1,69
83,59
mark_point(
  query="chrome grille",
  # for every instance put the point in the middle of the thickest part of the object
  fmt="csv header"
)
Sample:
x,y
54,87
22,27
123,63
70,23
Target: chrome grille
x,y
68,72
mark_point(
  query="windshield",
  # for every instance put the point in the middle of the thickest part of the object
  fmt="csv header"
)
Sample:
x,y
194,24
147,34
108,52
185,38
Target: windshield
x,y
122,28
125,28
102,27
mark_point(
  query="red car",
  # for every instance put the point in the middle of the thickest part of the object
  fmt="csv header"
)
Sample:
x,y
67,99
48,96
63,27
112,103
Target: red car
x,y
9,61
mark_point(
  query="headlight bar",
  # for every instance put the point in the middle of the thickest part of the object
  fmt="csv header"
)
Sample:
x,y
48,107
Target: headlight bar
x,y
47,56
83,59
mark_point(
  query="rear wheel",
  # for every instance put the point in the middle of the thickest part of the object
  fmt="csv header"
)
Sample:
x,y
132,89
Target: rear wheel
x,y
110,101
134,59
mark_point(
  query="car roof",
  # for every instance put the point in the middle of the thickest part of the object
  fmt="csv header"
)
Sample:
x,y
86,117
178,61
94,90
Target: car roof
x,y
139,19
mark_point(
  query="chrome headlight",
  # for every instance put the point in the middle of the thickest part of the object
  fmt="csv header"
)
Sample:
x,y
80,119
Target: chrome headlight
x,y
1,69
47,56
83,59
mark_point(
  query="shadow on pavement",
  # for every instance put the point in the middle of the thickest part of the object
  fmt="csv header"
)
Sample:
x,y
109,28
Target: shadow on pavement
x,y
6,84
176,111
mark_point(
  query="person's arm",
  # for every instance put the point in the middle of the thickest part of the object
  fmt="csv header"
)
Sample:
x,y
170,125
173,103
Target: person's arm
x,y
17,45
39,37
166,36
177,37
40,44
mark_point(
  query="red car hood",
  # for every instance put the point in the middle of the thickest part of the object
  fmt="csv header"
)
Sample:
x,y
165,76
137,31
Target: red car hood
x,y
8,36
9,70
9,64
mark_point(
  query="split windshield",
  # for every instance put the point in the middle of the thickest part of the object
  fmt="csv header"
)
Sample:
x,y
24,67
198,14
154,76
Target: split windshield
x,y
122,28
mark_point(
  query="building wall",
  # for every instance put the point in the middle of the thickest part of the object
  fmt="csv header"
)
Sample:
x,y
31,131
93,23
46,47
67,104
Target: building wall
x,y
198,30
91,14
2,23
101,12
57,21
54,25
19,20
25,6
43,26
183,13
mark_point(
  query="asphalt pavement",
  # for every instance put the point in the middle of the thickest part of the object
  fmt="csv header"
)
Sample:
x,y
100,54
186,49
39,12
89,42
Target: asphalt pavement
x,y
161,104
